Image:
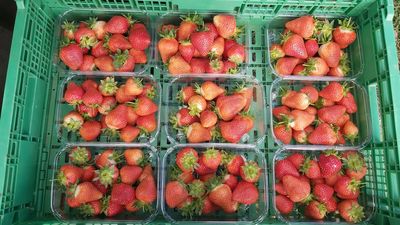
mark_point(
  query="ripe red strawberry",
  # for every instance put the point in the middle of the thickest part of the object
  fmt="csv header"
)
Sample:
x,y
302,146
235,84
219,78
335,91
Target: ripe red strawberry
x,y
121,97
225,25
99,50
92,98
140,57
167,45
215,66
203,170
280,189
183,118
188,25
283,204
88,84
133,156
90,130
148,91
90,209
198,65
329,163
178,65
293,45
311,169
285,66
139,37
175,194
80,156
107,105
345,33
85,37
108,86
69,29
130,174
144,106
331,114
117,118
323,102
245,193
208,207
131,116
129,133
187,159
234,130
98,26
297,159
110,208
72,56
236,53
211,158
330,52
300,136
230,67
107,175
298,120
351,211
276,52
284,167
118,42
68,175
147,172
349,102
107,158
323,192
304,26
233,164
296,100
217,48
322,135
186,50
221,195
228,44
197,104
279,111
88,173
202,41
118,24
133,86
334,91
122,194
209,90
86,192
104,63
354,164
208,118
249,120
197,133
103,189
297,190
88,63
316,66
147,124
311,47
185,94
250,171
330,205
228,106
347,188
340,139
211,27
283,133
231,181
299,70
311,92
315,210
124,62
73,121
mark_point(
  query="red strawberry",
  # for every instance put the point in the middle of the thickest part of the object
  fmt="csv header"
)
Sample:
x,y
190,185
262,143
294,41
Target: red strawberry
x,y
297,190
140,57
311,169
106,158
215,66
185,177
331,180
124,62
90,130
80,156
208,118
167,45
88,84
73,121
250,171
311,47
99,50
187,159
133,86
183,118
98,26
129,133
197,104
211,27
311,92
108,86
331,205
347,188
90,209
279,111
72,56
280,189
117,118
276,52
133,156
234,163
316,66
304,26
300,136
118,42
283,204
334,91
202,41
284,167
118,24
217,48
228,44
147,124
210,90
234,130
68,175
296,100
331,114
175,194
147,172
211,158
139,37
107,105
236,53
130,174
85,37
231,181
329,163
148,91
221,195
144,106
297,159
330,52
299,70
88,173
69,29
285,66
103,189
323,102
349,102
355,165
293,45
86,192
283,133
322,135
323,192
186,50
315,210
298,120
107,175
122,194
202,169
185,94
208,207
198,65
178,65
92,98
131,116
245,193
104,63
197,133
110,208
121,97
88,63
188,25
340,139
230,67
228,106
249,120
225,24
344,35
351,211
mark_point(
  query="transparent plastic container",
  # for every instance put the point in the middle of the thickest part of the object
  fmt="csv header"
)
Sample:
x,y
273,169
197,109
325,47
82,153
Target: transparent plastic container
x,y
252,214
365,199
174,18
276,26
63,107
361,118
257,107
102,14
64,213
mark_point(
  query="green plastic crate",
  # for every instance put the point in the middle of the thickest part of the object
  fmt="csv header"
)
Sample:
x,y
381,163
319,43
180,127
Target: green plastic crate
x,y
28,140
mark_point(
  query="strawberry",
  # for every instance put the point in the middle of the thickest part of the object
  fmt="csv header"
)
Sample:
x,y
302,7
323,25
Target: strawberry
x,y
340,139
147,172
147,124
208,118
225,25
279,111
283,204
311,92
185,93
148,91
202,169
99,50
92,98
85,37
323,192
73,121
209,90
304,26
130,174
297,190
351,211
108,86
234,163
118,42
69,29
285,66
183,118
104,63
245,193
197,133
178,65
350,131
228,106
331,180
122,194
186,50
175,194
228,44
72,56
187,159
131,116
311,47
283,133
197,104
250,171
249,120
198,65
107,158
167,45
133,86
88,63
211,158
107,175
121,97
297,159
139,37
345,33
90,209
300,136
217,48
140,57
215,66
296,100
231,181
110,208
330,52
80,156
211,27
347,188
133,156
117,118
311,169
279,188
129,133
323,102
103,189
349,102
284,167
124,62
316,66
90,130
299,70
355,165
312,110
69,175
322,135
144,106
118,24
293,45
329,163
230,67
86,192
234,130
276,52
107,105
331,205
208,207
221,195
315,210
331,114
197,188
202,41
298,120
88,84
88,173
98,26
189,25
236,53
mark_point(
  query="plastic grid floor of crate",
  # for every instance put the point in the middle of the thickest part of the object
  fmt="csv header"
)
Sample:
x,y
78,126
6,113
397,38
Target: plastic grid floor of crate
x,y
29,141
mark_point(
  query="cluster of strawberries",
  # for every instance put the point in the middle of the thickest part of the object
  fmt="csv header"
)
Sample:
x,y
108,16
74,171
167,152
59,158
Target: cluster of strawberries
x,y
209,113
115,45
195,47
323,185
202,184
126,111
110,184
329,110
304,38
